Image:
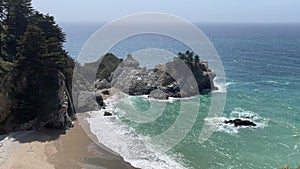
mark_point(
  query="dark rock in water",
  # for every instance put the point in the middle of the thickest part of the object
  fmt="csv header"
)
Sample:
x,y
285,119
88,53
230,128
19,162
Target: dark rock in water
x,y
107,114
239,122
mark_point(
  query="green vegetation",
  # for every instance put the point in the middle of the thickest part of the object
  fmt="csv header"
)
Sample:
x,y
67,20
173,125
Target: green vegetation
x,y
105,66
189,57
5,67
26,33
108,64
15,16
32,62
31,39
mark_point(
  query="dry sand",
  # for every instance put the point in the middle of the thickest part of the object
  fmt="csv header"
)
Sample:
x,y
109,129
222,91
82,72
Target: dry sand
x,y
54,149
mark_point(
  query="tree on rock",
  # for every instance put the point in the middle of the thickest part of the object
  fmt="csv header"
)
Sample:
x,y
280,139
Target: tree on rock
x,y
32,46
17,13
181,56
197,59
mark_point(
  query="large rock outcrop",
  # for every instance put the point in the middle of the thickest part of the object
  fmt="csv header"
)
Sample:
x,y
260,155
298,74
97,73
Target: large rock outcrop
x,y
85,80
85,97
33,99
173,79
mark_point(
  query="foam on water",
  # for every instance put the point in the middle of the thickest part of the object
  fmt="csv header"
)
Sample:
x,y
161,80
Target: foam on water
x,y
221,85
218,122
274,83
120,138
230,84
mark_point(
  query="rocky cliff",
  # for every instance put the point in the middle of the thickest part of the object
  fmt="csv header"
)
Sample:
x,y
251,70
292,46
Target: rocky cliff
x,y
33,99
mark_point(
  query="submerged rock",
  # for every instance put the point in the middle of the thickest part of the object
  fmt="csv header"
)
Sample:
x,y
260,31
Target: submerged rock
x,y
239,122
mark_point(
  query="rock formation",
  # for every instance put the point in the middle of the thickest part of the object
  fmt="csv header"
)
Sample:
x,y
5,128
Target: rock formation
x,y
173,79
31,99
239,122
35,70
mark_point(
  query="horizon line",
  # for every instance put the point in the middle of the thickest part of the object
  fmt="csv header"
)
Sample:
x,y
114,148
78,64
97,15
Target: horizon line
x,y
194,22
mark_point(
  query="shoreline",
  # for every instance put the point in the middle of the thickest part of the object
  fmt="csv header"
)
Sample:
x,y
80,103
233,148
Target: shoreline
x,y
75,148
56,149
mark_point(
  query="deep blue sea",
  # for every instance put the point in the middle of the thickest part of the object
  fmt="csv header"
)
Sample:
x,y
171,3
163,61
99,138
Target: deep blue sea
x,y
262,66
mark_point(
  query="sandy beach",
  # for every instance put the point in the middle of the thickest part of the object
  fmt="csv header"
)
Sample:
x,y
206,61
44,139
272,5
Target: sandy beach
x,y
56,149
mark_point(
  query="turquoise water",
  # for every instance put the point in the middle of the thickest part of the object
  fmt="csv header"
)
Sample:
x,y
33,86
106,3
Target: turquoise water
x,y
262,66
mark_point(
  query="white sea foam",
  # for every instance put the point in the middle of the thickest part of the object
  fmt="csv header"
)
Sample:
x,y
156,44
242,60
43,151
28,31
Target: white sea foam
x,y
230,83
220,83
221,88
120,138
169,100
273,83
218,122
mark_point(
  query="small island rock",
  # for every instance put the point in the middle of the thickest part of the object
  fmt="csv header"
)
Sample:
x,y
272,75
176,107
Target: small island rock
x,y
239,122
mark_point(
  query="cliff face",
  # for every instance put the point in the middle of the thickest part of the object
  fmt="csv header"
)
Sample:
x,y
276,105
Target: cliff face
x,y
33,99
5,90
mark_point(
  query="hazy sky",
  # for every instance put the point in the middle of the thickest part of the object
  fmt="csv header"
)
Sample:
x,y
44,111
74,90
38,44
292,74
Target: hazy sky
x,y
192,10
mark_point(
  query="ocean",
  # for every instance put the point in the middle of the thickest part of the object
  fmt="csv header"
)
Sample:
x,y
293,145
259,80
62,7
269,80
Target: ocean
x,y
262,66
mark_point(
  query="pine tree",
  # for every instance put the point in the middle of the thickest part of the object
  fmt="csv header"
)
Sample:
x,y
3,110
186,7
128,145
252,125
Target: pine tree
x,y
17,14
190,56
56,55
197,59
2,35
181,56
33,46
50,28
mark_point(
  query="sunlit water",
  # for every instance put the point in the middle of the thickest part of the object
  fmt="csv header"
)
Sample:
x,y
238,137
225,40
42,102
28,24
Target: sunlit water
x,y
262,66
